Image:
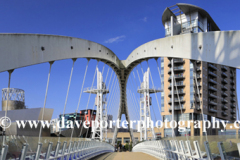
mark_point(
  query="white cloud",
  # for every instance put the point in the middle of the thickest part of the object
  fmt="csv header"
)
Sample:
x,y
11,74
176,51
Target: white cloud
x,y
115,39
144,19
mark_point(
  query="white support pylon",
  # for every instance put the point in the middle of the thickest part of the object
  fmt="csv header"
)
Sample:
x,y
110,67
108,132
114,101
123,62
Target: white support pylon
x,y
99,130
145,104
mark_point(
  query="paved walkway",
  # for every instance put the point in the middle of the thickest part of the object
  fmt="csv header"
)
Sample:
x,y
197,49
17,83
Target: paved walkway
x,y
124,156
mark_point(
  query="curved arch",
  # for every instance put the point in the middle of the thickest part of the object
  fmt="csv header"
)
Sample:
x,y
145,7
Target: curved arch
x,y
20,50
220,47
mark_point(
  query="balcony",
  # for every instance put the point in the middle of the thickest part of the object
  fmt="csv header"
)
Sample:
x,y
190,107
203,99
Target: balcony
x,y
198,62
213,74
212,88
176,100
231,75
224,94
212,103
178,84
212,81
232,81
233,94
224,114
212,66
233,100
176,76
199,84
177,108
180,92
212,95
233,111
177,61
224,68
224,74
198,76
198,69
232,88
224,81
233,117
212,110
224,87
233,105
224,107
224,100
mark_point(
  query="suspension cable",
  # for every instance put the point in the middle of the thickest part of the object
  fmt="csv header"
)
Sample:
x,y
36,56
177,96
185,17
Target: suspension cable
x,y
79,99
69,83
89,95
49,73
180,105
162,84
200,101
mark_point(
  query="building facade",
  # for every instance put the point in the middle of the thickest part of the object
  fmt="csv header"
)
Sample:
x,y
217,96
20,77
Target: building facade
x,y
196,85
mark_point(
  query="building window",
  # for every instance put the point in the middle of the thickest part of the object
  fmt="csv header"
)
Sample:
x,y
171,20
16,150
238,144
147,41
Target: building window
x,y
126,140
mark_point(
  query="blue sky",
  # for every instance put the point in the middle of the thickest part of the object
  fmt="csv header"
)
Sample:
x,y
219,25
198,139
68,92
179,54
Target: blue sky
x,y
119,25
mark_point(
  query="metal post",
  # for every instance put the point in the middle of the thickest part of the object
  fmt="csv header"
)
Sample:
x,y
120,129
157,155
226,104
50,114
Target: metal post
x,y
171,25
24,150
39,148
49,149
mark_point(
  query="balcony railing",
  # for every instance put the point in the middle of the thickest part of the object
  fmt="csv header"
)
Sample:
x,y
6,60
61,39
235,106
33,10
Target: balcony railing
x,y
224,81
224,100
212,88
233,94
224,94
178,68
212,102
224,114
212,110
177,107
224,68
224,107
233,100
213,74
224,74
191,24
212,95
233,111
232,88
224,87
233,105
212,66
213,81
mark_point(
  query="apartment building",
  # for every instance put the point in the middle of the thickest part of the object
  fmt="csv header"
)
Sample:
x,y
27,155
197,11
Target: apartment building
x,y
197,86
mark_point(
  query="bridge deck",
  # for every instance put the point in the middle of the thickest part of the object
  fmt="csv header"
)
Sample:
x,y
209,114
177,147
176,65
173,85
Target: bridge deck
x,y
124,156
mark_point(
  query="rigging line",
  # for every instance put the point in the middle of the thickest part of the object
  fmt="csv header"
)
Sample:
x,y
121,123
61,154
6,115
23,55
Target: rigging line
x,y
135,78
80,96
155,92
115,111
154,89
141,68
133,104
90,94
107,75
162,86
199,100
118,100
90,119
69,83
110,97
136,99
110,79
138,76
9,82
180,105
103,69
45,100
133,112
114,97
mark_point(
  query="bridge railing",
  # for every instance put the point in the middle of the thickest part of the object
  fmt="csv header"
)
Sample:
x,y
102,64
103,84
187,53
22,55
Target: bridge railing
x,y
22,148
198,148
